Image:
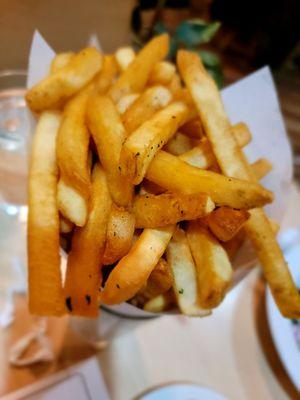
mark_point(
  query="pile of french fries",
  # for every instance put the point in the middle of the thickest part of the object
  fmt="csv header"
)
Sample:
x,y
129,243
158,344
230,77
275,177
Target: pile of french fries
x,y
137,170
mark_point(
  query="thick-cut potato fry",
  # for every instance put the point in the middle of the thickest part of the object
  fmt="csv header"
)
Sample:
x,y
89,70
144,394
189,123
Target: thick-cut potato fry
x,y
124,57
170,172
185,285
83,279
132,271
120,230
135,77
233,163
180,144
202,155
152,211
60,61
73,158
44,276
193,129
108,133
160,303
159,281
242,134
141,146
261,168
151,101
66,226
148,187
225,222
55,89
162,73
175,87
107,75
214,271
233,245
71,204
126,101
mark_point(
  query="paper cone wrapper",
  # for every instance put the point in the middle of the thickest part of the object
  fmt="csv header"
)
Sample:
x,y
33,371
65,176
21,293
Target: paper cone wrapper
x,y
252,100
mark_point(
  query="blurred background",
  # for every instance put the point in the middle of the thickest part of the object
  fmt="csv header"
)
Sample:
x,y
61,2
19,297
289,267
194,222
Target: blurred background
x,y
252,33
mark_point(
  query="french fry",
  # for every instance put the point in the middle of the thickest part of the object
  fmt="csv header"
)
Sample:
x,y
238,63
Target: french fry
x,y
126,101
159,281
170,172
107,75
66,226
180,144
133,270
233,245
109,134
44,276
193,129
175,87
124,57
202,155
162,73
149,102
120,230
73,160
160,303
233,163
185,285
261,168
56,88
151,188
141,146
152,211
60,61
135,77
214,271
225,222
83,278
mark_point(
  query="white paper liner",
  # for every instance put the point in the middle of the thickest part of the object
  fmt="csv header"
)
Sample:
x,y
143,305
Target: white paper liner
x,y
252,100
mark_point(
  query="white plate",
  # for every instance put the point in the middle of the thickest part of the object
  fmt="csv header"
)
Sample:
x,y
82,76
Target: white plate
x,y
285,332
182,391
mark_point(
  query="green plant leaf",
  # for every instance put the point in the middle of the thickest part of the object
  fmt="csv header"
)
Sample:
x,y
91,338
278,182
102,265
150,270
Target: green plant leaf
x,y
196,31
217,75
209,58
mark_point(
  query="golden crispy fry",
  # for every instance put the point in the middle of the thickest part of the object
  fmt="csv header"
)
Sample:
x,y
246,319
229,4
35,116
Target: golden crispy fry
x,y
83,279
225,222
124,57
162,73
175,87
73,159
126,101
151,101
160,303
148,187
214,271
44,276
170,172
119,235
233,163
233,245
159,281
193,129
55,89
108,73
184,275
261,168
202,155
60,61
109,134
134,78
169,208
71,204
132,271
242,134
180,144
66,226
141,146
